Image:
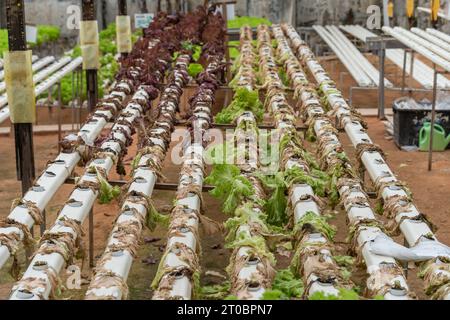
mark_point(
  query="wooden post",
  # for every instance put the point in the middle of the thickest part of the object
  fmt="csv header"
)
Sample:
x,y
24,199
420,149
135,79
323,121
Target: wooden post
x,y
88,8
123,12
23,132
2,15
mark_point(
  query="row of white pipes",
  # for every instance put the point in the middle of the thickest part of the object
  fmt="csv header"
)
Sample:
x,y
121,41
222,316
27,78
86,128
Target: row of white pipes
x,y
111,272
57,172
422,73
45,82
38,77
416,230
430,51
248,270
36,66
365,74
58,245
385,274
181,258
315,257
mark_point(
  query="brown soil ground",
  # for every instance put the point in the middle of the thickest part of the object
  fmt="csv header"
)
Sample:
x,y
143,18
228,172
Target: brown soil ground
x,y
430,190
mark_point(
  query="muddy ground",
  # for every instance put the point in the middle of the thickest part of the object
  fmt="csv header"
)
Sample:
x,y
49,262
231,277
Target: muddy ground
x,y
430,190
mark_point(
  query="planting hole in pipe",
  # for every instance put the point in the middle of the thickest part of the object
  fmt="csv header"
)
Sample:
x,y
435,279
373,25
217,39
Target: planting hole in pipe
x,y
50,174
40,266
99,161
398,292
116,254
140,180
253,286
60,162
75,204
253,261
38,188
184,229
24,294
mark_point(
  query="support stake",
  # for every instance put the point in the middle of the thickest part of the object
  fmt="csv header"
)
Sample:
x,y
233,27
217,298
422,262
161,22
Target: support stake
x,y
23,132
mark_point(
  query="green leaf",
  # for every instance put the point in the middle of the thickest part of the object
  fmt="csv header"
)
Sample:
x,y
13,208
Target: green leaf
x,y
230,185
243,100
344,294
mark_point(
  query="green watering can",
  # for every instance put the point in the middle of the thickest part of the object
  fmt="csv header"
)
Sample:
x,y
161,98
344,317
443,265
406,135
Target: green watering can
x,y
440,141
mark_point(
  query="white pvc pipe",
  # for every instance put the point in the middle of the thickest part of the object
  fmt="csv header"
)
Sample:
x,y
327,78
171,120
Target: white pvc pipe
x,y
45,84
441,35
365,64
77,212
424,42
421,72
120,263
360,77
431,38
44,73
379,171
421,48
36,66
53,177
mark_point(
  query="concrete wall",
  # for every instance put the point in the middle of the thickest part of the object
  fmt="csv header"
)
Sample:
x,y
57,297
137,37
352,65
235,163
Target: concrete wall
x,y
302,12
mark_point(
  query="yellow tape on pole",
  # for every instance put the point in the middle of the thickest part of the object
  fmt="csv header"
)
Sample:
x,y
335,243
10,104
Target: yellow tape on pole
x,y
89,42
20,86
390,9
409,8
123,34
435,7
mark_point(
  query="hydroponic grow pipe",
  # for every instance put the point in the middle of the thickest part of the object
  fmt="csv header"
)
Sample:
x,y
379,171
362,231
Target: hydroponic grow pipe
x,y
111,272
38,77
421,47
75,147
365,64
359,75
314,254
249,279
441,35
58,244
386,276
36,66
421,72
431,38
425,42
177,271
48,83
412,224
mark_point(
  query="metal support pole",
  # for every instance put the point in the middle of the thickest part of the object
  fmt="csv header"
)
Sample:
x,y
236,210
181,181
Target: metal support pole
x,y
405,56
411,70
433,119
91,239
59,116
381,101
88,8
23,132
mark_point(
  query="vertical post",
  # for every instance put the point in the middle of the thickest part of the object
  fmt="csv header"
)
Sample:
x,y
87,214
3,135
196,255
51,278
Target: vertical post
x,y
433,119
381,101
59,116
123,12
227,51
2,15
23,132
91,239
88,8
405,56
411,70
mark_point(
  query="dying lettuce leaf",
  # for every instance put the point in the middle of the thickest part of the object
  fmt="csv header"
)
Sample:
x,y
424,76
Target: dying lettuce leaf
x,y
107,192
244,100
215,292
276,205
230,186
316,179
319,223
